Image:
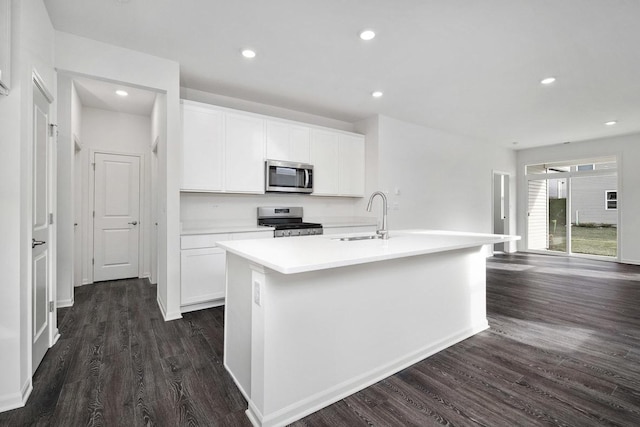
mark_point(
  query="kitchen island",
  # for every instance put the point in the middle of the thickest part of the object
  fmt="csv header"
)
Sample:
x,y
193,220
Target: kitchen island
x,y
311,320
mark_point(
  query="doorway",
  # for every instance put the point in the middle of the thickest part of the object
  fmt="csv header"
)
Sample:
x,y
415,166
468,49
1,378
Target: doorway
x,y
116,216
501,188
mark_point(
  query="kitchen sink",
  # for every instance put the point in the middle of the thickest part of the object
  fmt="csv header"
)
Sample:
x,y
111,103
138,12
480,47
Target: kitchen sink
x,y
352,238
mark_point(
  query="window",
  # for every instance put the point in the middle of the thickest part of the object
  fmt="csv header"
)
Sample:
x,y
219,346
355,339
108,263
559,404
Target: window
x,y
610,200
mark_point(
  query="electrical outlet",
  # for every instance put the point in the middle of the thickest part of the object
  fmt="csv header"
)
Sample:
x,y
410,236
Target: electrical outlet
x,y
256,293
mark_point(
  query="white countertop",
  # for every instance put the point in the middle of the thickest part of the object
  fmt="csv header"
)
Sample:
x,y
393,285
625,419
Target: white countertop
x,y
223,230
310,253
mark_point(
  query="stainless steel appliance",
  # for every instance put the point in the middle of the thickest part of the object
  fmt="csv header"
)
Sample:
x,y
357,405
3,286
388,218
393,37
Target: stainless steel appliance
x,y
287,221
288,177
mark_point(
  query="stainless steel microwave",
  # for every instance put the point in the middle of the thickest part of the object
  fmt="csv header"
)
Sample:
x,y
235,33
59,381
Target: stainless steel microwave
x,y
288,177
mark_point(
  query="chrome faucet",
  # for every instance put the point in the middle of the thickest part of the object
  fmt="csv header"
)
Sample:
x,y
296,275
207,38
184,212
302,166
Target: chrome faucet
x,y
382,232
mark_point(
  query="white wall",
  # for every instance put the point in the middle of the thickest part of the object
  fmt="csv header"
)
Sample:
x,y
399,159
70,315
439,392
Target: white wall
x,y
32,49
444,181
240,209
118,133
100,60
627,148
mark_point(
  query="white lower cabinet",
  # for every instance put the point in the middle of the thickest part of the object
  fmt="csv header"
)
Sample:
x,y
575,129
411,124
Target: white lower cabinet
x,y
202,268
202,277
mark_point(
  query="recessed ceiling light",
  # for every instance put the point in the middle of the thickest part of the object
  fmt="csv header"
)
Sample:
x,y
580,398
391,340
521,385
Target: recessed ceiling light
x,y
248,53
548,80
121,92
611,123
376,94
367,35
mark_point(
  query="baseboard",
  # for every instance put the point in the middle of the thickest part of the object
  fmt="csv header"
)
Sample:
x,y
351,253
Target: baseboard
x,y
327,397
202,305
630,261
18,399
167,316
64,303
56,337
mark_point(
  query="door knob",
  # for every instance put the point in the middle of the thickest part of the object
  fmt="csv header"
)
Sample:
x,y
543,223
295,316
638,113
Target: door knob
x,y
35,243
134,223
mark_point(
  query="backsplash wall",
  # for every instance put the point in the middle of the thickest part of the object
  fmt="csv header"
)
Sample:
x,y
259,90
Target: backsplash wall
x,y
240,209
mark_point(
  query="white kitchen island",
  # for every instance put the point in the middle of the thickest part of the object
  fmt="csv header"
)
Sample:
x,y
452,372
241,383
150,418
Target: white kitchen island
x,y
311,320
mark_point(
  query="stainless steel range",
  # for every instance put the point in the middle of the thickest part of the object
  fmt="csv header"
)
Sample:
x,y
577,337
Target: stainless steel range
x,y
287,221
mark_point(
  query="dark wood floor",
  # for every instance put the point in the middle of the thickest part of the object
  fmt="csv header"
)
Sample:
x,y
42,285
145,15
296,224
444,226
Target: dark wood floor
x,y
563,349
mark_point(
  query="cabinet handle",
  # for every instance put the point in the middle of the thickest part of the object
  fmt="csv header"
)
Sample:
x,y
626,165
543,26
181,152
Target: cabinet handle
x,y
134,223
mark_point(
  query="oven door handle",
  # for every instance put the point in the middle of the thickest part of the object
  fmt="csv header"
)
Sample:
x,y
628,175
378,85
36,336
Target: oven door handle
x,y
306,178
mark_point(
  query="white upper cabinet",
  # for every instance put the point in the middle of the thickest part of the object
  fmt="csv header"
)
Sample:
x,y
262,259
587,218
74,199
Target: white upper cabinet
x,y
223,151
351,165
325,158
287,142
338,163
244,154
203,148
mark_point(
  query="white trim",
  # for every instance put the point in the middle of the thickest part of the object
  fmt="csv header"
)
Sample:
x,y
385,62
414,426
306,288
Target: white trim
x,y
65,303
167,316
202,305
16,400
38,81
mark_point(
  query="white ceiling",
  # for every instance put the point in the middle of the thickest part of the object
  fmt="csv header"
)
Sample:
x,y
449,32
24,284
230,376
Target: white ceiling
x,y
101,94
469,67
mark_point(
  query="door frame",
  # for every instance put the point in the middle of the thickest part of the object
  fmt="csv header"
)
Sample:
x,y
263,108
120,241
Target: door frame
x,y
91,207
507,225
569,176
52,333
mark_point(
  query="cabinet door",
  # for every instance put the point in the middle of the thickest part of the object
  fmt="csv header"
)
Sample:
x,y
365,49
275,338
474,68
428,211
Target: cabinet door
x,y
244,154
351,165
202,275
277,140
324,156
287,142
203,149
299,139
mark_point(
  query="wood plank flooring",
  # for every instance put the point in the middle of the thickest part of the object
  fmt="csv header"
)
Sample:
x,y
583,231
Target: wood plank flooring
x,y
563,349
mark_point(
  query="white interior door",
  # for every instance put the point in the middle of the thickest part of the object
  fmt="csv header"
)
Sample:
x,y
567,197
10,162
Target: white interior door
x,y
116,216
41,236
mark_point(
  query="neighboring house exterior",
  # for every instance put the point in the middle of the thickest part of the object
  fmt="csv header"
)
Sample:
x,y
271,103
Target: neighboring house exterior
x,y
594,200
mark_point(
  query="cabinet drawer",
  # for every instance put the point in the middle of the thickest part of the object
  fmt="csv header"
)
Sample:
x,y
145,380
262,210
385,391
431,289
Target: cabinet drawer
x,y
203,240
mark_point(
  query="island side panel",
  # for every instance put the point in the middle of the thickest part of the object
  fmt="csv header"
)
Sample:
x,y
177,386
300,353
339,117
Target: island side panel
x,y
330,333
237,322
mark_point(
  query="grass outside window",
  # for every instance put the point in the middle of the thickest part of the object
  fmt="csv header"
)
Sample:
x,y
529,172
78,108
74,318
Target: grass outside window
x,y
589,239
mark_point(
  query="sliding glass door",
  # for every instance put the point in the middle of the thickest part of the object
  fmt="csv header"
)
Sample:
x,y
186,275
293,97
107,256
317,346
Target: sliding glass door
x,y
594,215
573,207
